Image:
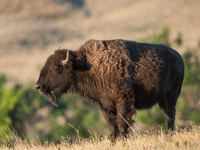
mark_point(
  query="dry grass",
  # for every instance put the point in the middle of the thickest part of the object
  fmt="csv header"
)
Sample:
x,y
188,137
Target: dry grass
x,y
182,139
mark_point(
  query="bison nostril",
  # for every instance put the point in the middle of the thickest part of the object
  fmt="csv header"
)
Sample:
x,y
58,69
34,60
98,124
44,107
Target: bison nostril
x,y
38,86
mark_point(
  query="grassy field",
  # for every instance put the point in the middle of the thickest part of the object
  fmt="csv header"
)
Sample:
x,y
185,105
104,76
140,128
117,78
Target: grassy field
x,y
188,138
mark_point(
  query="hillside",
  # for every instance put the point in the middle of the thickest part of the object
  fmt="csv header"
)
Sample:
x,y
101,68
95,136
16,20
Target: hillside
x,y
32,30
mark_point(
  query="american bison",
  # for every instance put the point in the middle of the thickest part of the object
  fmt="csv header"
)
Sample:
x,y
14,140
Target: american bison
x,y
120,76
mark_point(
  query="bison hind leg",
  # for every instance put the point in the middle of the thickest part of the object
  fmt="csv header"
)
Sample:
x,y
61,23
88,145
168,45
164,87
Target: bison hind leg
x,y
169,112
168,104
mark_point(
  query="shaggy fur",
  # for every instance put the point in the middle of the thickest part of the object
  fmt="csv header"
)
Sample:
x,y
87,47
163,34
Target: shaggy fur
x,y
120,76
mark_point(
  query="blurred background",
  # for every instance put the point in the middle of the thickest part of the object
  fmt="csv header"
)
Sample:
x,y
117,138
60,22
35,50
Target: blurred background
x,y
30,30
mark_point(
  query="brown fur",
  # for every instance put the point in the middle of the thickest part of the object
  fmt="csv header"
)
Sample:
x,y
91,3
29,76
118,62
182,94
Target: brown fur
x,y
120,76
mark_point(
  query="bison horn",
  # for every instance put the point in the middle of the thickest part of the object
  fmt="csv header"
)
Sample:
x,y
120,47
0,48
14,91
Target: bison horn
x,y
64,62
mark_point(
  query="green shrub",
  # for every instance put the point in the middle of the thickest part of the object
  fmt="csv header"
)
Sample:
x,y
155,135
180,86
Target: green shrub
x,y
19,107
159,38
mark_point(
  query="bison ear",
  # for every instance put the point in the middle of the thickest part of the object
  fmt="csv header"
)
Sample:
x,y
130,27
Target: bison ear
x,y
68,66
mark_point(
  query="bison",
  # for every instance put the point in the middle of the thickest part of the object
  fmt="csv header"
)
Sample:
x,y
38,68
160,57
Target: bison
x,y
120,76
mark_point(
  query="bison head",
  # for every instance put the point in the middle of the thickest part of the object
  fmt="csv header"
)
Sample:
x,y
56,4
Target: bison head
x,y
55,77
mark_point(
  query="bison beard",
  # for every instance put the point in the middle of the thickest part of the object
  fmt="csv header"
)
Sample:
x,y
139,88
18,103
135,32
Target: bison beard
x,y
53,98
120,76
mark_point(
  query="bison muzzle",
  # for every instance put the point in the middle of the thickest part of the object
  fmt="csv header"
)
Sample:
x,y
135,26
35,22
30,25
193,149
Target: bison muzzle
x,y
120,76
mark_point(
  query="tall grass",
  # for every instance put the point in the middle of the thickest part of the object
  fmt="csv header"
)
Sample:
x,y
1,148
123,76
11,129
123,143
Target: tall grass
x,y
187,138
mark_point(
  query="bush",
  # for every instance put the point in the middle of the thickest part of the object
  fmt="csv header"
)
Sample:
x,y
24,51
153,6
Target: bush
x,y
159,38
32,116
188,105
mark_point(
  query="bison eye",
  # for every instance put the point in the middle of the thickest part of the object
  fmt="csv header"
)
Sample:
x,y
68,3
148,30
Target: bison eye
x,y
55,70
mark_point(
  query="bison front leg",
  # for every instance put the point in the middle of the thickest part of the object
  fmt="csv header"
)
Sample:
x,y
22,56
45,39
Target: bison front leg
x,y
125,111
111,119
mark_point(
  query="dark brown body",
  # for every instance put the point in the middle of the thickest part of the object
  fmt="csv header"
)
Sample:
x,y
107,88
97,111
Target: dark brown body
x,y
120,76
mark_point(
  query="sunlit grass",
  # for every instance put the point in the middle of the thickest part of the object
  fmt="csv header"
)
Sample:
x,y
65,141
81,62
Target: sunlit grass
x,y
187,138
